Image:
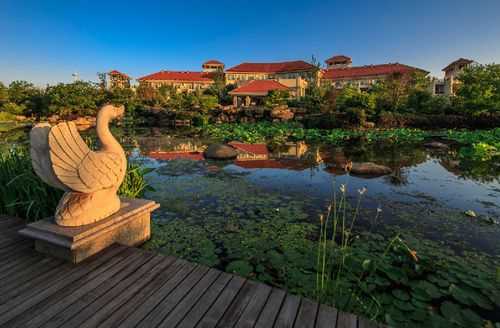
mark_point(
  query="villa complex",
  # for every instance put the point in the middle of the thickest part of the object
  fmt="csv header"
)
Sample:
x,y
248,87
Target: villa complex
x,y
258,79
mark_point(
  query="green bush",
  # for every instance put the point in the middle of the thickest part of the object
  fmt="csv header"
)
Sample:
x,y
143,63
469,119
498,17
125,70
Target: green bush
x,y
7,117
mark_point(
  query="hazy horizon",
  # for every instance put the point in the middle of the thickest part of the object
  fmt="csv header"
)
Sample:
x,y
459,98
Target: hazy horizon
x,y
45,42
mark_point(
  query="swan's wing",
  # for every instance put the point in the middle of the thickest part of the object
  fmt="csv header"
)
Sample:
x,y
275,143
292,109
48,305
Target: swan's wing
x,y
40,157
79,168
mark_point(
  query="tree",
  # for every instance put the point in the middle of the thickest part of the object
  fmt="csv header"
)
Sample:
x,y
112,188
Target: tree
x,y
79,97
479,90
276,98
392,93
352,97
4,94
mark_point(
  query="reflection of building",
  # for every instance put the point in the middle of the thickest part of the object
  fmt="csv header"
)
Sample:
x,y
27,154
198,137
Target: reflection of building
x,y
340,73
250,151
118,80
295,75
256,89
449,85
291,150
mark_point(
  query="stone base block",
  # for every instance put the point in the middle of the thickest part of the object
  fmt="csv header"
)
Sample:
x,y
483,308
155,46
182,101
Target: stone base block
x,y
130,226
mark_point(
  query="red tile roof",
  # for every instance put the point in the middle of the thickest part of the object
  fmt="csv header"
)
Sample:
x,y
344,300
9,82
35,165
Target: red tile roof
x,y
170,155
115,72
289,66
178,76
258,87
458,62
367,71
338,59
256,149
213,62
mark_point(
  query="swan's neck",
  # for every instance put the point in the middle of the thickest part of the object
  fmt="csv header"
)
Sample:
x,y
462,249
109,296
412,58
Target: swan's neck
x,y
108,142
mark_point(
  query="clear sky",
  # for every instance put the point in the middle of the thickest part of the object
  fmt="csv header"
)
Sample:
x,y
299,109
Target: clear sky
x,y
45,41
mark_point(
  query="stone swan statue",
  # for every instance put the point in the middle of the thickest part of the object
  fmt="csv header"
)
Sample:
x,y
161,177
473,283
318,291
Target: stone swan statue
x,y
89,178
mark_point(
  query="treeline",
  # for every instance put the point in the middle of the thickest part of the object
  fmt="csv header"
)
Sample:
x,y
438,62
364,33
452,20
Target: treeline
x,y
478,93
84,98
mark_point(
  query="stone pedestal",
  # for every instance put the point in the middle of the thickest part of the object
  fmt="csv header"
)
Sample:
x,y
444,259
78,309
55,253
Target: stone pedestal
x,y
130,226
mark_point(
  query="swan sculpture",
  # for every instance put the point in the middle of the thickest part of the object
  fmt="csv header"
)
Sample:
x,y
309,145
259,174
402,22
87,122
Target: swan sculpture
x,y
89,178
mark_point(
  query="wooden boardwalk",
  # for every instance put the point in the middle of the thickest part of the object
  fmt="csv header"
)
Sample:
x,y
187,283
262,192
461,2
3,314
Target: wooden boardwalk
x,y
129,287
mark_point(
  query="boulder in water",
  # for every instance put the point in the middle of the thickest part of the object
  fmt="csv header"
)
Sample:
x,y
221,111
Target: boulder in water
x,y
220,151
370,169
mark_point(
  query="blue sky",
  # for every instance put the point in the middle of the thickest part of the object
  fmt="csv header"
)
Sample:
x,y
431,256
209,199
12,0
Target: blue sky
x,y
45,41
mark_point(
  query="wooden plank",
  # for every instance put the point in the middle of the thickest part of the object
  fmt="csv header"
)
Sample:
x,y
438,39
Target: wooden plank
x,y
12,251
185,305
365,323
94,283
28,273
327,317
271,309
145,308
145,293
6,222
251,313
306,317
38,281
18,265
346,320
205,302
23,302
288,312
239,304
166,305
224,300
118,295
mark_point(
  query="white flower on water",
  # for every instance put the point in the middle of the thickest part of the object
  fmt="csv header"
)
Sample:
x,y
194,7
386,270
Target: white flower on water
x,y
379,210
362,190
342,188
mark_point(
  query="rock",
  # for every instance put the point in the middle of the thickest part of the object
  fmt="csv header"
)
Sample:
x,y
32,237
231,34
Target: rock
x,y
283,114
436,145
369,168
368,125
220,151
471,213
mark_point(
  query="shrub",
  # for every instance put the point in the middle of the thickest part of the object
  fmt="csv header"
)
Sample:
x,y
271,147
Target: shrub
x,y
13,108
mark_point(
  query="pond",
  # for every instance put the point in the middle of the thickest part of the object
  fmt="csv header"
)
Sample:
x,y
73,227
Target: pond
x,y
423,248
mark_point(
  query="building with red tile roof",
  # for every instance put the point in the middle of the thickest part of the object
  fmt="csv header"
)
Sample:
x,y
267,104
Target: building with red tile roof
x,y
338,61
182,81
255,89
258,88
364,76
293,74
118,79
213,66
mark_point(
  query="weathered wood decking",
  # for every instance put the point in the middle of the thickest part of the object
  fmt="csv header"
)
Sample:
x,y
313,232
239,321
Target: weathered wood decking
x,y
129,287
